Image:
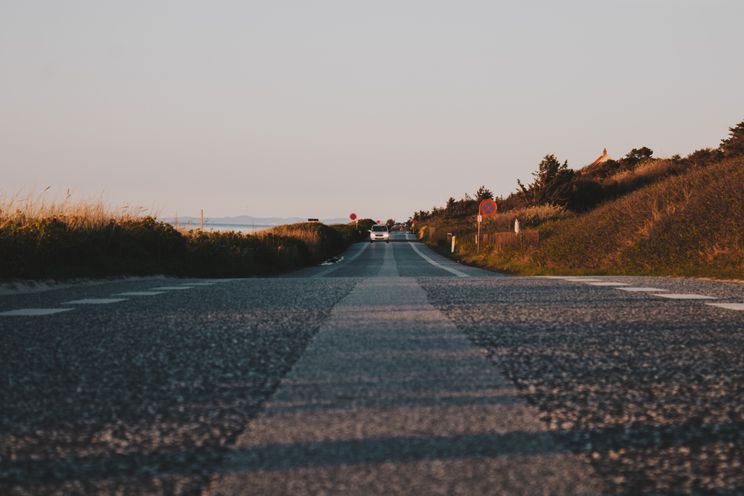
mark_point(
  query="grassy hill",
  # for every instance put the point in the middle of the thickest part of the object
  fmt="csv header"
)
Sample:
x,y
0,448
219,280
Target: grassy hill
x,y
682,217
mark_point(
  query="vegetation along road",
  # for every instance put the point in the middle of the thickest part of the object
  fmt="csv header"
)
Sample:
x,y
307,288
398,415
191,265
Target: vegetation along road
x,y
395,371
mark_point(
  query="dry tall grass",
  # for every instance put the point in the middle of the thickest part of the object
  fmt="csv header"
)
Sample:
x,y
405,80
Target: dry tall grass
x,y
691,224
436,229
646,173
40,237
76,213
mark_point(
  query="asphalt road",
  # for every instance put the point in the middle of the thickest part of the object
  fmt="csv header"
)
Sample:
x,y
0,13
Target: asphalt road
x,y
395,371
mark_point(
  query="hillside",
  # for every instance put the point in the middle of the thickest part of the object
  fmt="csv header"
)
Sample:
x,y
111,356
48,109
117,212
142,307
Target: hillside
x,y
677,216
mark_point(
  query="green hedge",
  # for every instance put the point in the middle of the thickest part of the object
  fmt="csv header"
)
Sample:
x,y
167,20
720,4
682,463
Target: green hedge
x,y
55,248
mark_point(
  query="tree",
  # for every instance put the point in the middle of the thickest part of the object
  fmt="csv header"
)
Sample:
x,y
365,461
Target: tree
x,y
548,182
483,193
704,156
637,155
734,144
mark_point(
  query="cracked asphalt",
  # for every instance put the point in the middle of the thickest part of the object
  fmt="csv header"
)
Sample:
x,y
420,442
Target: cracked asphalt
x,y
389,373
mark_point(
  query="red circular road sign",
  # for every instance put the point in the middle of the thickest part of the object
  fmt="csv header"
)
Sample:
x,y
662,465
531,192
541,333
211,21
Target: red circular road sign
x,y
487,207
352,216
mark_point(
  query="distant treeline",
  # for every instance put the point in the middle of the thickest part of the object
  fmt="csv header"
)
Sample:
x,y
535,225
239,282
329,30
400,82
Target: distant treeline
x,y
555,184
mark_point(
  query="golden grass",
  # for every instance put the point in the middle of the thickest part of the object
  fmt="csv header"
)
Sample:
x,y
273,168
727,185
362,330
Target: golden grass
x,y
647,172
76,213
687,224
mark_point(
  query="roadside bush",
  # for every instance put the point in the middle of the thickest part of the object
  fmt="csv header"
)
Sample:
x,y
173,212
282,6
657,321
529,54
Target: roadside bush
x,y
59,247
55,248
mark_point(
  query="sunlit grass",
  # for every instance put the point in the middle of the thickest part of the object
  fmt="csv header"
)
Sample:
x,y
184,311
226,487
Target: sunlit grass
x,y
44,237
690,223
20,209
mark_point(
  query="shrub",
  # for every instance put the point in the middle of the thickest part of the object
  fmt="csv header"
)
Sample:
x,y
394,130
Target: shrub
x,y
37,243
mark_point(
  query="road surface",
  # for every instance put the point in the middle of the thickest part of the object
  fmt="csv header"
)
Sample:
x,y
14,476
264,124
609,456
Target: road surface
x,y
395,371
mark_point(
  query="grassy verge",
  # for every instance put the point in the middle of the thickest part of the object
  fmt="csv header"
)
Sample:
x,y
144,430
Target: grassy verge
x,y
686,225
84,241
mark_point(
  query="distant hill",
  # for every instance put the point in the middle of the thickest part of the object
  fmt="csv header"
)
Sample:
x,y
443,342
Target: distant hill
x,y
248,220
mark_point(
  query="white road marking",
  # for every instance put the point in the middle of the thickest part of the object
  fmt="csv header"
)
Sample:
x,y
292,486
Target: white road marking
x,y
684,296
639,289
33,312
608,284
140,293
581,279
728,306
348,260
94,301
172,288
436,264
198,284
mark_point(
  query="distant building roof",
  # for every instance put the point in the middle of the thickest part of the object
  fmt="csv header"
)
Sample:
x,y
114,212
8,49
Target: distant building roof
x,y
601,159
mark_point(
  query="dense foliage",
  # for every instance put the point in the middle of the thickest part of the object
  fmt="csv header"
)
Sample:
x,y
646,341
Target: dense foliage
x,y
63,248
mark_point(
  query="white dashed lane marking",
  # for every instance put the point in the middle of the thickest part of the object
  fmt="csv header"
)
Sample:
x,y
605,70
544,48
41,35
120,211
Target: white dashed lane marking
x,y
728,306
140,293
608,284
198,284
94,301
172,288
639,289
684,296
33,312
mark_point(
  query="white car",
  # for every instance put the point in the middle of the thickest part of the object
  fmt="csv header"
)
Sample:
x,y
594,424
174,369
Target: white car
x,y
379,232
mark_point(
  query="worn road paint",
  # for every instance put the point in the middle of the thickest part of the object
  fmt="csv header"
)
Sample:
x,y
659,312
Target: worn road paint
x,y
140,293
33,312
343,263
728,306
684,296
640,289
94,301
437,264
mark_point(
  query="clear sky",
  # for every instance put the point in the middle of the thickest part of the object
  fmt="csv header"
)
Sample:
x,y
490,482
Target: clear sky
x,y
320,108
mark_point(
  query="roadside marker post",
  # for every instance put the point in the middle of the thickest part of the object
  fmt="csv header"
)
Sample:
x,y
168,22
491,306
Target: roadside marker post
x,y
486,208
477,236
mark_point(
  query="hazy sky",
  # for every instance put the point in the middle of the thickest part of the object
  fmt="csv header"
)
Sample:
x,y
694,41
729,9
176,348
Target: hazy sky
x,y
320,108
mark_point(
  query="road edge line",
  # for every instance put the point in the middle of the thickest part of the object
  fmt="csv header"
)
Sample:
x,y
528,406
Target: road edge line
x,y
437,264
